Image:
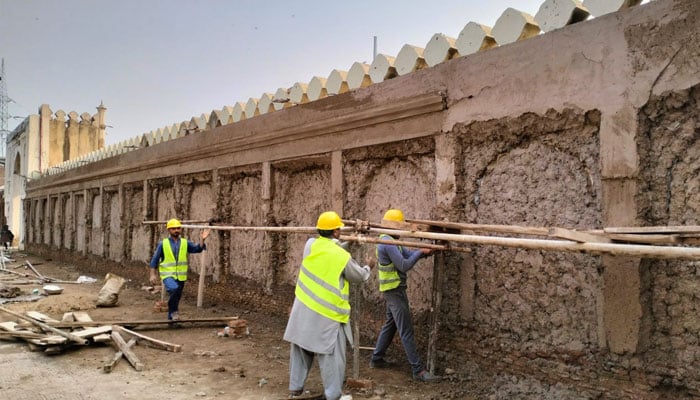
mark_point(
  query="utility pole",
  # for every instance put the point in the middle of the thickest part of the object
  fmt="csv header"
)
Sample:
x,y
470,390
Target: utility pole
x,y
4,113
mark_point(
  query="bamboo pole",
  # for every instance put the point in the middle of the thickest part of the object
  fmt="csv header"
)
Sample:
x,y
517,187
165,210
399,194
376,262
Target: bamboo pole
x,y
191,221
202,277
364,239
436,300
633,250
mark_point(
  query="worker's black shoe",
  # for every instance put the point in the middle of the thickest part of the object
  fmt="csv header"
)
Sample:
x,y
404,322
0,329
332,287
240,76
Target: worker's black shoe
x,y
380,363
293,394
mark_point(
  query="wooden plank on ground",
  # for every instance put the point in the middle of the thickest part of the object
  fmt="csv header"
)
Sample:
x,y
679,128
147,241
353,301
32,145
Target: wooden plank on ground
x,y
109,367
576,236
82,316
102,338
45,326
68,317
148,341
89,332
127,351
40,317
216,320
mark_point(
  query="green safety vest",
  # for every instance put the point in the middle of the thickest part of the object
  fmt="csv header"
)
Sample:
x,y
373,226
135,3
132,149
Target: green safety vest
x,y
319,285
171,268
388,275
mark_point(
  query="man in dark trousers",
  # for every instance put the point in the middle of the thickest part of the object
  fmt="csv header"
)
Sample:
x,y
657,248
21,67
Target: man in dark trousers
x,y
170,259
393,263
6,236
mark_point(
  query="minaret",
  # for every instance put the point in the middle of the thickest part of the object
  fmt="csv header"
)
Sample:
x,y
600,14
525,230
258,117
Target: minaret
x,y
101,126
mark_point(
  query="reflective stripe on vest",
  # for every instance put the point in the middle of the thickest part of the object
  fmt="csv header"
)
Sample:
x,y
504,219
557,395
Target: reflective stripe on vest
x,y
320,286
388,275
169,267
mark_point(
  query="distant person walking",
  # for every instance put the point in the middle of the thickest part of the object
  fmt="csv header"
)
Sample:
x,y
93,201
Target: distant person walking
x,y
319,323
394,262
6,236
170,259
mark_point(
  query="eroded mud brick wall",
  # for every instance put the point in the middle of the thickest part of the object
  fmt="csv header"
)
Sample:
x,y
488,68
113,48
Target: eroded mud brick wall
x,y
589,126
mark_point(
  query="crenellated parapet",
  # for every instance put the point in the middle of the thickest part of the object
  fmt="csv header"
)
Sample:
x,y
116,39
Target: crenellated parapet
x,y
512,26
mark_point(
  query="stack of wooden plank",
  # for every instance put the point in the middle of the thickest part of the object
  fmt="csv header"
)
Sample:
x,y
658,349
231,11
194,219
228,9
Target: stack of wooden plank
x,y
40,333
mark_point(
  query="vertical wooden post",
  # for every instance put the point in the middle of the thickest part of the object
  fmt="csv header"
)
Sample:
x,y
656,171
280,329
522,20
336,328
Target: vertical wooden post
x,y
356,331
436,304
205,257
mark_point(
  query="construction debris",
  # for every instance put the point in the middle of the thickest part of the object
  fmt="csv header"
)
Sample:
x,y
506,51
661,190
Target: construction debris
x,y
51,336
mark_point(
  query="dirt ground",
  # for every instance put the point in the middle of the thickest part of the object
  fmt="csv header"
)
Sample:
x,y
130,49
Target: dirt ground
x,y
254,367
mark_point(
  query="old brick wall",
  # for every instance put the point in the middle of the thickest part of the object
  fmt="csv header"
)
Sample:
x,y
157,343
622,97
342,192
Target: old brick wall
x,y
602,134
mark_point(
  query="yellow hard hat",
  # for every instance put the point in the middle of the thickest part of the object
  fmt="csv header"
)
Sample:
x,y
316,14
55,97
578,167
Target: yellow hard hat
x,y
394,215
329,221
174,223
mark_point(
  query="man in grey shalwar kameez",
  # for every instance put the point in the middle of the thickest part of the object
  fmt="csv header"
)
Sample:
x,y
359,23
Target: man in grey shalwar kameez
x,y
319,322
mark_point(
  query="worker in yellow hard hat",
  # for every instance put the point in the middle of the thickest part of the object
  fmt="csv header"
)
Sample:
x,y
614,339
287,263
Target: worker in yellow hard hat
x,y
394,263
319,323
170,259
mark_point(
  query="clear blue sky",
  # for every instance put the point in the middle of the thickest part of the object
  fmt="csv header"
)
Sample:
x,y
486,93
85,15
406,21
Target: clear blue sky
x,y
156,62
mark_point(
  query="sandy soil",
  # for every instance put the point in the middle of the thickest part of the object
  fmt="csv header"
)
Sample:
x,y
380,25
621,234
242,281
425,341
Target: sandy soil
x,y
254,367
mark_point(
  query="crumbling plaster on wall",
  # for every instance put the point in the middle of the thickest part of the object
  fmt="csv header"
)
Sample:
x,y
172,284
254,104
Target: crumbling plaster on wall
x,y
534,170
301,193
668,195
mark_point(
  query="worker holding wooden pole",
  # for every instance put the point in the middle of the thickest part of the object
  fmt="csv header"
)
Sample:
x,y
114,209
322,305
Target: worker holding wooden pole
x,y
319,323
170,259
394,262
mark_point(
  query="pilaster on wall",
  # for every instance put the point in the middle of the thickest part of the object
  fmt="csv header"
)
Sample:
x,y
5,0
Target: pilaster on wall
x,y
266,189
337,182
620,296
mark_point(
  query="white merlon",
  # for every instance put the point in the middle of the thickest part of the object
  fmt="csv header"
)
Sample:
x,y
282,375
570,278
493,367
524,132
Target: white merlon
x,y
265,103
297,93
409,59
439,49
227,111
473,38
281,99
159,135
151,137
337,82
203,121
358,76
514,25
317,88
165,134
382,68
251,108
602,7
214,119
238,113
555,14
